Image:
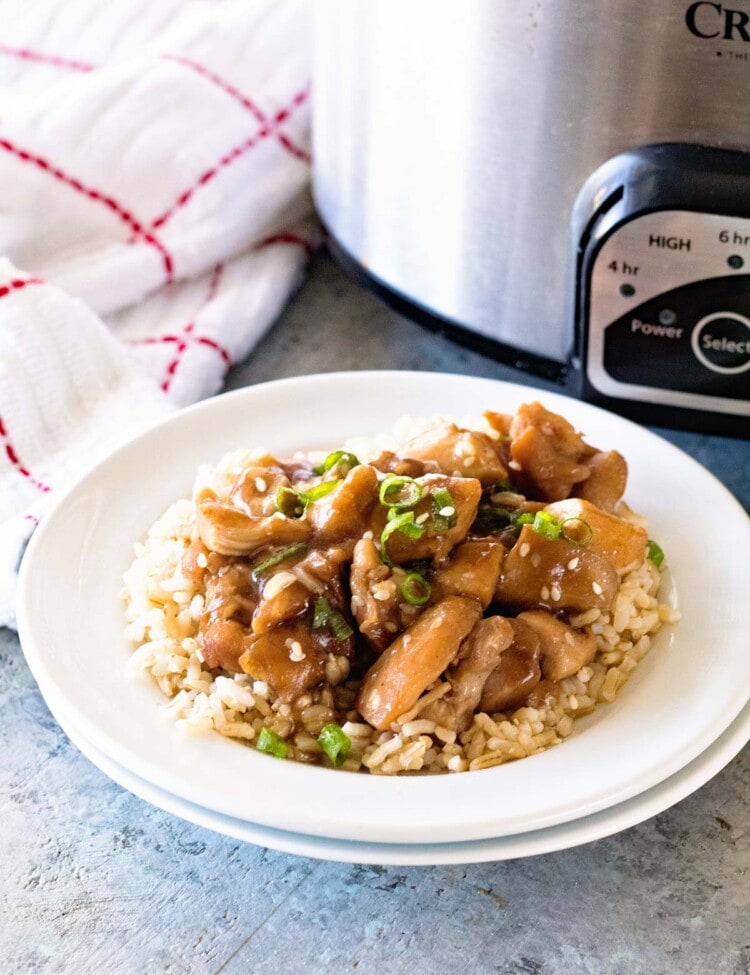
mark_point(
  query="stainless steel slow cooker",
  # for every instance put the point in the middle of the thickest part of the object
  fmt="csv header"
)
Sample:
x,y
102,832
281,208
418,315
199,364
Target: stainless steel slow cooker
x,y
564,183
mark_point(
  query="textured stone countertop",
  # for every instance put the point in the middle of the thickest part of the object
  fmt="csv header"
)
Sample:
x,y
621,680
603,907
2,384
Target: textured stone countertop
x,y
94,881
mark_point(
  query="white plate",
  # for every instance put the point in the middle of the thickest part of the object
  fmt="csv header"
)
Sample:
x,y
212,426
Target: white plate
x,y
683,696
549,840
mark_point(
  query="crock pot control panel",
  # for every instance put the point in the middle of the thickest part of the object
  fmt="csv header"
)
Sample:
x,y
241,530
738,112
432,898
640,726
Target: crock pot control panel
x,y
664,304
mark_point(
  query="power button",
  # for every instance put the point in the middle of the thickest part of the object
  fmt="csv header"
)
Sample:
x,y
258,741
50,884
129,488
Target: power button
x,y
721,342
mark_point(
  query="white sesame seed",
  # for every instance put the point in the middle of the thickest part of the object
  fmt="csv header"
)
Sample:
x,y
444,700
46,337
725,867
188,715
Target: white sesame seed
x,y
573,564
544,593
514,465
468,461
555,593
536,559
597,588
447,511
390,626
421,519
296,653
260,485
569,639
381,594
202,560
524,550
367,535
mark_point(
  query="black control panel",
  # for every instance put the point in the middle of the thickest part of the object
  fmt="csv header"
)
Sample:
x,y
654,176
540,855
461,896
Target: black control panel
x,y
663,287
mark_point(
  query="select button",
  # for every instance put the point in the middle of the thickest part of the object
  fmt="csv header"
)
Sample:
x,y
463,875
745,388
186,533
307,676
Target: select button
x,y
721,342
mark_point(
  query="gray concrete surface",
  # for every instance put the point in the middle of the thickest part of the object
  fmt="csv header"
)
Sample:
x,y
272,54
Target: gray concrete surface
x,y
94,881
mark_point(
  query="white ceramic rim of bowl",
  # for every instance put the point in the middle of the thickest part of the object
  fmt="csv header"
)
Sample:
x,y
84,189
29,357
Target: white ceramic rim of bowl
x,y
552,839
627,747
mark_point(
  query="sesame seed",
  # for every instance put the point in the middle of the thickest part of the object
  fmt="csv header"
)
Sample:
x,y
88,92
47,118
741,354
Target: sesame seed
x,y
573,564
468,461
296,653
569,639
524,550
544,593
390,626
381,594
421,519
447,511
555,593
536,559
202,560
261,485
367,535
277,583
597,588
514,465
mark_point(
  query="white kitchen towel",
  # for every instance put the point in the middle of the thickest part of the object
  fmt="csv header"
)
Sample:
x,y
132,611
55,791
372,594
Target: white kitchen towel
x,y
155,216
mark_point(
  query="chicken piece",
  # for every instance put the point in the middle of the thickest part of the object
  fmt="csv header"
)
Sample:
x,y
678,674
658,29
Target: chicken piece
x,y
500,421
376,598
462,453
231,600
517,674
558,575
472,570
345,512
435,543
228,530
613,538
564,650
546,694
390,463
415,659
283,597
290,658
548,455
291,589
255,490
606,482
478,657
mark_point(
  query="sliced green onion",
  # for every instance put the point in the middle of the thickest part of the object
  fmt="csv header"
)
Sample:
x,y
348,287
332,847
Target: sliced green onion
x,y
400,492
655,553
335,743
398,521
588,532
518,518
289,502
318,491
281,555
547,525
441,500
324,615
293,503
271,743
338,459
415,589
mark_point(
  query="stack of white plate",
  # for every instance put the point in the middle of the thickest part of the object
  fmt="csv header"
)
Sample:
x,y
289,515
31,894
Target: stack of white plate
x,y
681,717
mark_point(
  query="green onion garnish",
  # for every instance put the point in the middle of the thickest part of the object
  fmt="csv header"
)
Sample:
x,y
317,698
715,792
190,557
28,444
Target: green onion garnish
x,y
318,491
335,743
415,589
398,521
281,555
443,510
294,503
324,615
547,525
271,743
400,492
577,524
518,518
655,553
289,502
340,459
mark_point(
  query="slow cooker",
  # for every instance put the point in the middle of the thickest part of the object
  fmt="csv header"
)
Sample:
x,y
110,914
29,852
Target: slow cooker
x,y
564,184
